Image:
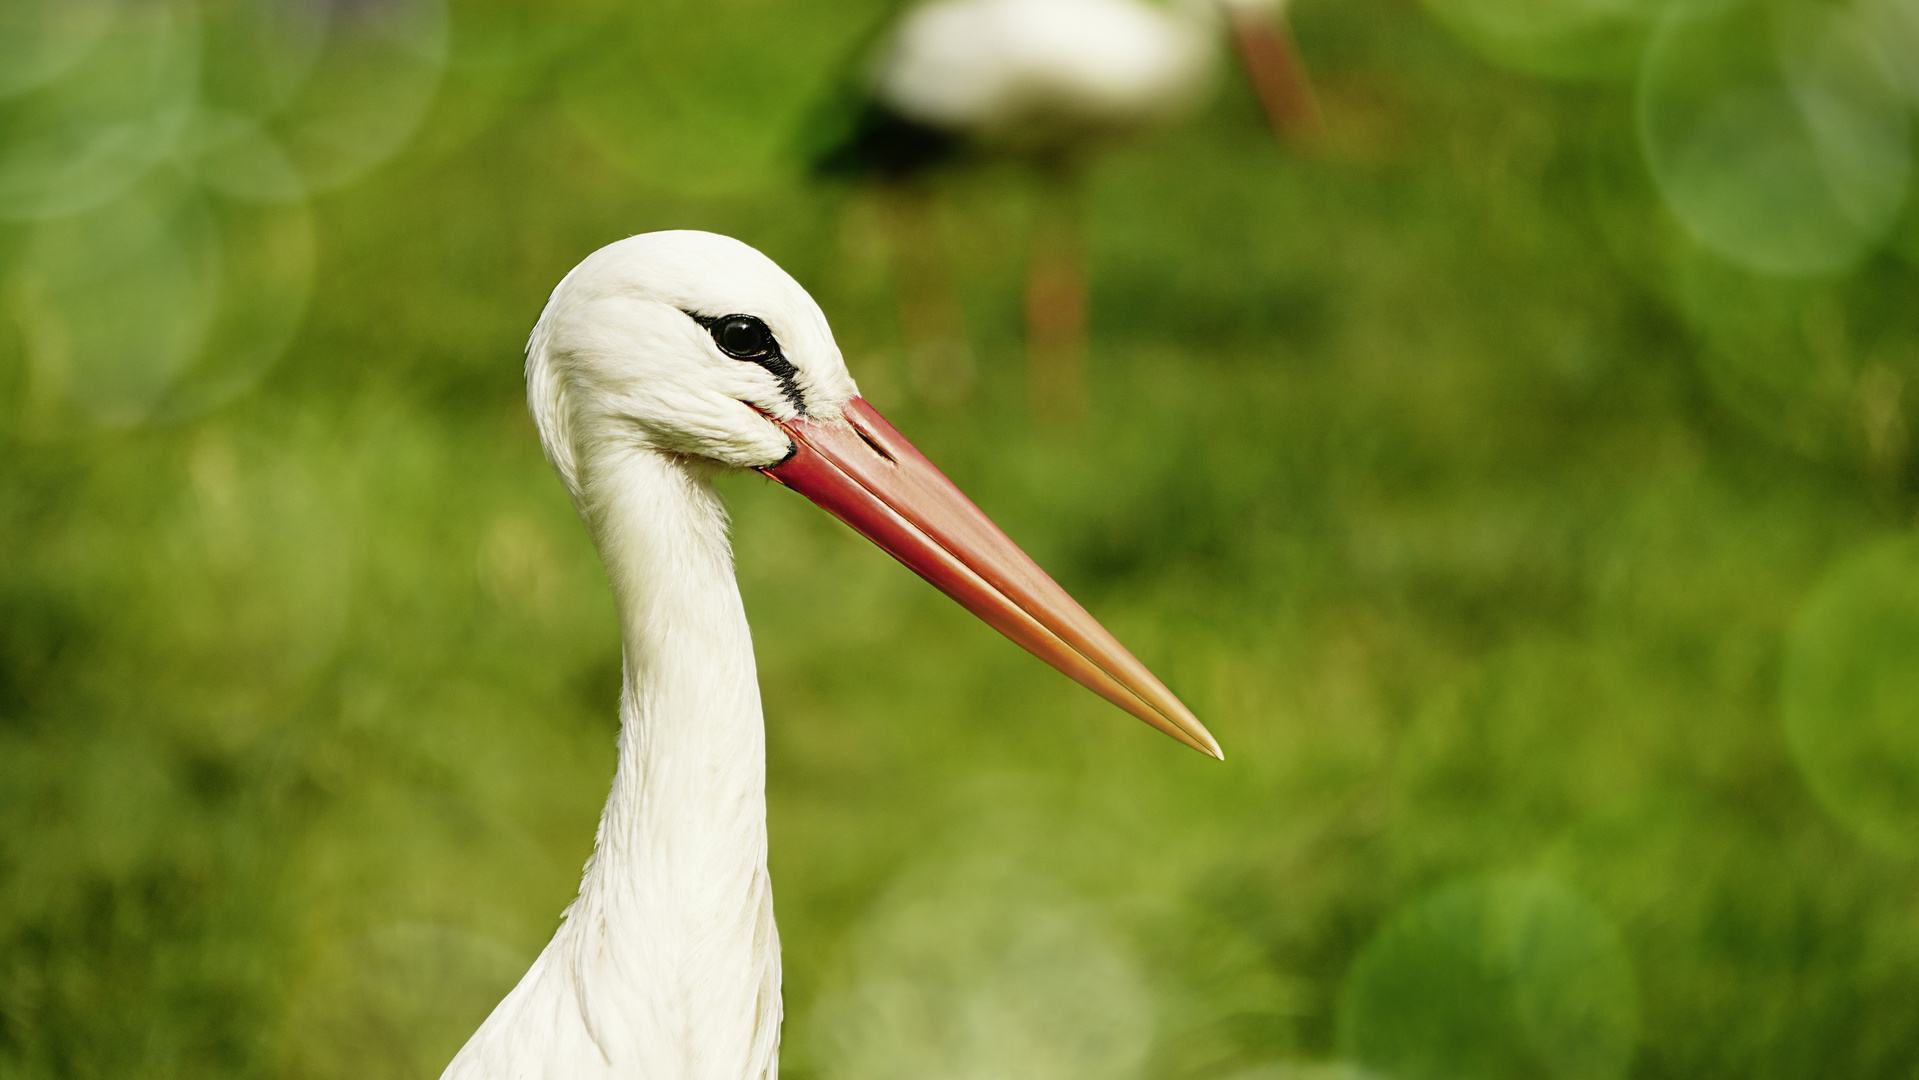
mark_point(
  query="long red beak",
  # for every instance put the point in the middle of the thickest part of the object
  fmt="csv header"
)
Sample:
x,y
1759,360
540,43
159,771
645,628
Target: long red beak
x,y
866,474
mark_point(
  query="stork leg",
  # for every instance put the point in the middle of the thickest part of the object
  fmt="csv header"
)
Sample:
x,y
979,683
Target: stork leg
x,y
939,362
1056,304
1279,77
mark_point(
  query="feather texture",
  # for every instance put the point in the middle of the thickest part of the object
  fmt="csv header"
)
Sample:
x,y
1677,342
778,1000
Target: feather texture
x,y
667,966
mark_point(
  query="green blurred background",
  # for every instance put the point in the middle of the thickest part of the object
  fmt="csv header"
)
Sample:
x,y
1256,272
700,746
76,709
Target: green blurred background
x,y
1519,483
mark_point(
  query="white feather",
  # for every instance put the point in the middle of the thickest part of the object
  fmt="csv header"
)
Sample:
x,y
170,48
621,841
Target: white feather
x,y
991,67
667,965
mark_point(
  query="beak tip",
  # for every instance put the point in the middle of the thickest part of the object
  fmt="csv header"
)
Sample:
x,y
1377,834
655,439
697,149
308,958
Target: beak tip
x,y
1194,734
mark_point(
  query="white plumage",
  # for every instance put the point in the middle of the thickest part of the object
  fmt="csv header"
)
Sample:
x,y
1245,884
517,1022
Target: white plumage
x,y
991,66
667,966
1052,72
643,385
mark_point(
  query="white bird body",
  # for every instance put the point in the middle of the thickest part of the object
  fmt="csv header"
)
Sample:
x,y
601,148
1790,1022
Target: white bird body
x,y
1053,71
993,67
667,966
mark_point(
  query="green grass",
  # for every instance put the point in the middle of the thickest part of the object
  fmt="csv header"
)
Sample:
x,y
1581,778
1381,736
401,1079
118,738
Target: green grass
x,y
1473,507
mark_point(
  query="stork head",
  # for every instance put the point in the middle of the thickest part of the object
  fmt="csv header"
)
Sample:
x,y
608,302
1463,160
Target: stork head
x,y
683,342
696,345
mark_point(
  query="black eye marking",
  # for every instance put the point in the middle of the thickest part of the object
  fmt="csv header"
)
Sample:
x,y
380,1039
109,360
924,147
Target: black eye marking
x,y
746,337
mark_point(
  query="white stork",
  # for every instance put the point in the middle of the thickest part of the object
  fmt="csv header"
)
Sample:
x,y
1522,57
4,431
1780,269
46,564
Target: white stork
x,y
661,361
1045,75
1045,81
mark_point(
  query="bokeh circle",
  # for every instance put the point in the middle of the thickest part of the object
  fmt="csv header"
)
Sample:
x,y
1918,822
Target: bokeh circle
x,y
1774,132
1563,39
1850,694
159,304
979,971
1503,977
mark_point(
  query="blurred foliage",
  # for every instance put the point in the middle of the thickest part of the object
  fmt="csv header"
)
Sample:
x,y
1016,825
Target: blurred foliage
x,y
1445,986
1520,484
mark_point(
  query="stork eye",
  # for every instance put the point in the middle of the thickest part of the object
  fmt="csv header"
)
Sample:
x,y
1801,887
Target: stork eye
x,y
743,337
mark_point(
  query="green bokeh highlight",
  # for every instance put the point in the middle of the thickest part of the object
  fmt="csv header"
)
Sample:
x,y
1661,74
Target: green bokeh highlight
x,y
1776,131
1020,982
1851,695
1493,978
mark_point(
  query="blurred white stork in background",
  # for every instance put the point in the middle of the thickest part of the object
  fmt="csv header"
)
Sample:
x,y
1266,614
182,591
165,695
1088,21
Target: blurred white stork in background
x,y
1046,80
661,361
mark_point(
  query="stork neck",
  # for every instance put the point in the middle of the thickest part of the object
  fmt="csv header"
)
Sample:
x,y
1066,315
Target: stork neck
x,y
692,745
671,947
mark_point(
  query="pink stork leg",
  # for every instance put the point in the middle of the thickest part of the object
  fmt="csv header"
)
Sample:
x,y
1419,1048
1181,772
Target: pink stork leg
x,y
939,362
1272,62
1056,305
